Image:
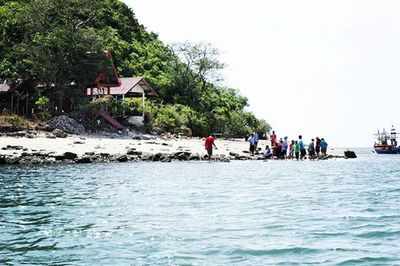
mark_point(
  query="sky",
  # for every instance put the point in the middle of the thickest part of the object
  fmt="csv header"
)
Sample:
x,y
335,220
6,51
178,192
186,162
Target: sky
x,y
313,67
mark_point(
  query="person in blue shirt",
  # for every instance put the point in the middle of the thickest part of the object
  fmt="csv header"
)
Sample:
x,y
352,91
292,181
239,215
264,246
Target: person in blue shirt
x,y
302,148
255,141
284,148
324,146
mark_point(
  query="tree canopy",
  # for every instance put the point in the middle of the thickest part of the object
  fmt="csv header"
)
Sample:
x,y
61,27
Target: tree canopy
x,y
60,43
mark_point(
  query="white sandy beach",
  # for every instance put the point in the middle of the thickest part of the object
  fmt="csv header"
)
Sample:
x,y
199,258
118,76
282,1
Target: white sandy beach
x,y
115,146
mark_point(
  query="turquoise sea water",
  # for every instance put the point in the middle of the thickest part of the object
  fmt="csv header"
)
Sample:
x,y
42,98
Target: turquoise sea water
x,y
335,212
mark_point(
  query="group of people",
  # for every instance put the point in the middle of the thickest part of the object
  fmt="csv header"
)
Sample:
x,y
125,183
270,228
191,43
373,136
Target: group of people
x,y
284,149
280,149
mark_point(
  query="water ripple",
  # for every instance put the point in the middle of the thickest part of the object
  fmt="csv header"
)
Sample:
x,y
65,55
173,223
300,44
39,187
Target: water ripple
x,y
337,212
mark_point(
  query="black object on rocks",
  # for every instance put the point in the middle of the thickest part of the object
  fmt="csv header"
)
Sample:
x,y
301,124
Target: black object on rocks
x,y
70,155
350,154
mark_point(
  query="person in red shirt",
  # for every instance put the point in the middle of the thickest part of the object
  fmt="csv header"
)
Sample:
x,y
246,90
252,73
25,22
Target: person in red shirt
x,y
273,138
209,145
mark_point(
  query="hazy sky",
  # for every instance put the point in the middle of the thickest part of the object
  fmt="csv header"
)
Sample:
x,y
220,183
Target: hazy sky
x,y
311,67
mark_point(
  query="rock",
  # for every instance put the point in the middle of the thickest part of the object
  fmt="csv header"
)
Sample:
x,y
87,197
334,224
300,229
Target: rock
x,y
195,157
30,136
12,147
50,136
350,154
78,142
84,160
3,160
13,160
165,159
133,151
90,153
181,155
70,155
122,158
59,133
67,125
157,157
186,132
234,154
17,134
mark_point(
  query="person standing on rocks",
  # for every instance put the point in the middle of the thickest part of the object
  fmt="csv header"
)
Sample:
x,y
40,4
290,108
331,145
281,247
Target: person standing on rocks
x,y
284,148
317,145
251,141
291,150
272,138
311,149
324,147
209,146
255,141
302,148
296,149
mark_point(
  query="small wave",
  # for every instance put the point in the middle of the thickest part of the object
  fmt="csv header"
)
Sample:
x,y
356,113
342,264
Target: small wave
x,y
367,260
378,234
277,251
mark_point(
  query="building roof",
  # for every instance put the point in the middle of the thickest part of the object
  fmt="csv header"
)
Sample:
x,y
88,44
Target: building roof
x,y
108,77
127,84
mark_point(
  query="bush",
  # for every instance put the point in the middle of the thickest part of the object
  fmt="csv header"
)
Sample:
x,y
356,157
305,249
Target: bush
x,y
14,121
42,104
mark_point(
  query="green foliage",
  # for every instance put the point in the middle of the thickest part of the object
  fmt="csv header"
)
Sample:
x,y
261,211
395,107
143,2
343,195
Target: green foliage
x,y
60,44
42,103
15,121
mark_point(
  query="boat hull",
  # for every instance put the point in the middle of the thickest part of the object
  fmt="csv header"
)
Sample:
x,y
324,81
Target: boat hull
x,y
387,151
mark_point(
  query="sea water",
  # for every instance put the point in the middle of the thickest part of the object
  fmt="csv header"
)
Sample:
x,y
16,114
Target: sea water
x,y
334,212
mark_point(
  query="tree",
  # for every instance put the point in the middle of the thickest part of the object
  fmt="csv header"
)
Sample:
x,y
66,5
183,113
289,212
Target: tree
x,y
195,68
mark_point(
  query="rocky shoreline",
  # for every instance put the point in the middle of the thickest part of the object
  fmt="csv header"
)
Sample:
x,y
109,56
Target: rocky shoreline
x,y
64,140
77,149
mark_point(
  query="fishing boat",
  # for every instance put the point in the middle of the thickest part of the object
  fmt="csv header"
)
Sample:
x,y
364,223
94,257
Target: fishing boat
x,y
387,142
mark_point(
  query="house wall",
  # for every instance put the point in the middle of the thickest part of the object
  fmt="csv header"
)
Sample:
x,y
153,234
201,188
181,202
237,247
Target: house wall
x,y
137,88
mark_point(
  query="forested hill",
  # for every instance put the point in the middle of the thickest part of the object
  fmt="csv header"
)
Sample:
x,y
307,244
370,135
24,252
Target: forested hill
x,y
62,42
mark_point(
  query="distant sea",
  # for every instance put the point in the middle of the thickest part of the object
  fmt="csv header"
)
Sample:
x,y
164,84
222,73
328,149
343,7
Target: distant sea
x,y
334,212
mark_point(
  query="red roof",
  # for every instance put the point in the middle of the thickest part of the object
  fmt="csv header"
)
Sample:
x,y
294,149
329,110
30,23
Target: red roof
x,y
127,84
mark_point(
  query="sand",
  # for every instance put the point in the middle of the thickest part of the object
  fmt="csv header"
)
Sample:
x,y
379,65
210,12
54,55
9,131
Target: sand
x,y
114,146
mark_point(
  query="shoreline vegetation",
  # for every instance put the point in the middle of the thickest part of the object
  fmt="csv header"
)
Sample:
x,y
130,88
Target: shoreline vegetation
x,y
47,67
